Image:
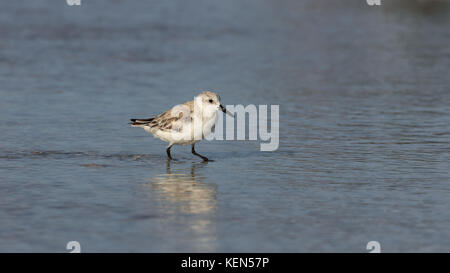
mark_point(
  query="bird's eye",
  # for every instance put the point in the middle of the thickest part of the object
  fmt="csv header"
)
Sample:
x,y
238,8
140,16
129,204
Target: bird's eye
x,y
210,101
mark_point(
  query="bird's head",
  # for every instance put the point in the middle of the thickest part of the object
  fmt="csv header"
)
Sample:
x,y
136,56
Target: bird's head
x,y
209,103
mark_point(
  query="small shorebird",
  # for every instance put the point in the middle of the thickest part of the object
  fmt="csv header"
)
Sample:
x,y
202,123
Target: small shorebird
x,y
184,124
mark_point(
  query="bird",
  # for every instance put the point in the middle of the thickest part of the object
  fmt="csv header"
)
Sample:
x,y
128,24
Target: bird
x,y
185,124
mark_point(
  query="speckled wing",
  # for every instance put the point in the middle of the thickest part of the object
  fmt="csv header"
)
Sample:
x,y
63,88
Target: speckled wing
x,y
164,121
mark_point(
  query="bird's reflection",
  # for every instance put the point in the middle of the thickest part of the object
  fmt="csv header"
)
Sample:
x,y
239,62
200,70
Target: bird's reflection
x,y
188,191
184,197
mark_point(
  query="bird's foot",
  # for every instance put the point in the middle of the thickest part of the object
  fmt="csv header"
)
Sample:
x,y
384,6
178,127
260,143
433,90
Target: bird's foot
x,y
205,159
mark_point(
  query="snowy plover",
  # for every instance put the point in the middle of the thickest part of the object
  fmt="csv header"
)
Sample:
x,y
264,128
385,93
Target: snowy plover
x,y
184,124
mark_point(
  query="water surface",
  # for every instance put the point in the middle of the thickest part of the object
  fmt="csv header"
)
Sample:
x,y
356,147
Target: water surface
x,y
364,126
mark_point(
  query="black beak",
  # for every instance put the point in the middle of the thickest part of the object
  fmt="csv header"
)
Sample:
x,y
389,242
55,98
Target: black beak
x,y
225,111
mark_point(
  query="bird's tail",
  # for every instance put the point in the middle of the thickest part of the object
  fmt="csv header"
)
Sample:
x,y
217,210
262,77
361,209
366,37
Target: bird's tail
x,y
140,122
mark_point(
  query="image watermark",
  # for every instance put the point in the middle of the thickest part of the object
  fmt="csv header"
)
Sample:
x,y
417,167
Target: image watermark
x,y
73,2
373,2
374,247
192,125
74,247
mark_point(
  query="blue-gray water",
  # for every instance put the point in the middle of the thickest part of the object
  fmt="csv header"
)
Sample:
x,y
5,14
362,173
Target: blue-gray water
x,y
364,126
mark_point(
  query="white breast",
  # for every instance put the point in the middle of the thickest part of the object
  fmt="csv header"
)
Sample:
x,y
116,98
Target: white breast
x,y
208,124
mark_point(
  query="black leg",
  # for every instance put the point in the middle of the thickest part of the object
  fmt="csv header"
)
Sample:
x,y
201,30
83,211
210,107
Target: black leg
x,y
168,167
168,152
199,155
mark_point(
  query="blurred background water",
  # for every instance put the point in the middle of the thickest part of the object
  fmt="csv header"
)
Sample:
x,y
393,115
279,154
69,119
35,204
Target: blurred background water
x,y
364,126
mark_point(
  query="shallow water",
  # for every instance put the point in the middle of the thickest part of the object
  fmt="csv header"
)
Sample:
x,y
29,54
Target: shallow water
x,y
364,126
